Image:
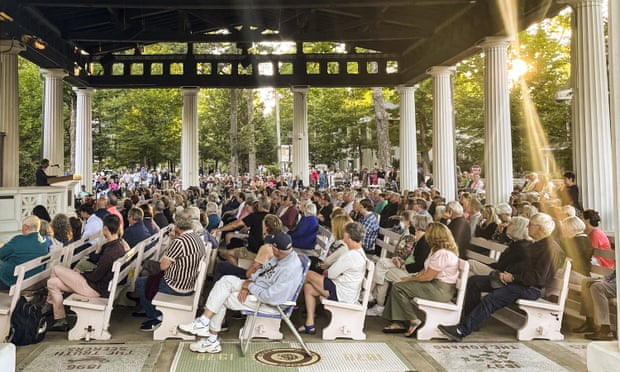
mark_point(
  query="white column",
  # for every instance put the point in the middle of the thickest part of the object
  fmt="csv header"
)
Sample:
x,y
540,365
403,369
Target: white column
x,y
614,81
53,125
444,156
301,159
591,122
497,138
9,110
84,137
189,137
408,140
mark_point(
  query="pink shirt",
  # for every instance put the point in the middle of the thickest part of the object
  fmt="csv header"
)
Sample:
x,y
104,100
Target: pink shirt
x,y
600,241
446,262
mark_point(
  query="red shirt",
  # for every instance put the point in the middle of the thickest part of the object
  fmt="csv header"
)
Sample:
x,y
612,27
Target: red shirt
x,y
600,241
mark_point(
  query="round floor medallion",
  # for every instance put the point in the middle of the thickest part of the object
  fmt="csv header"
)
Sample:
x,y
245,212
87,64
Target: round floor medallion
x,y
286,357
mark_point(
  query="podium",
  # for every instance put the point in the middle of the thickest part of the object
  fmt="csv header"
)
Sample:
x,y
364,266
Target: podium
x,y
63,180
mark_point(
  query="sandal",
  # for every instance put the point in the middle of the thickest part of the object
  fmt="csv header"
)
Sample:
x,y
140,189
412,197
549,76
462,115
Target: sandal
x,y
413,327
394,328
307,329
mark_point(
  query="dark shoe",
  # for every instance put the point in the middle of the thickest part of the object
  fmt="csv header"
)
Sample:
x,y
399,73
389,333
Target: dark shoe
x,y
237,315
130,297
452,332
600,336
224,327
150,325
138,314
394,328
585,327
59,325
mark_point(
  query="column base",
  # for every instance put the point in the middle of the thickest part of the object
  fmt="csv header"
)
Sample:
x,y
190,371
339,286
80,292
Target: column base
x,y
603,356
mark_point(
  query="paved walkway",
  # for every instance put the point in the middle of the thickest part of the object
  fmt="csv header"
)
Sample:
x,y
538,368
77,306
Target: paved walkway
x,y
495,346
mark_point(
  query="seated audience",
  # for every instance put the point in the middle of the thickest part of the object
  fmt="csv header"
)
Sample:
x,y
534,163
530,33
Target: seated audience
x,y
337,247
179,267
20,249
411,251
275,282
304,234
371,226
344,278
150,225
517,234
41,212
61,226
213,217
524,278
577,247
436,282
598,238
459,227
595,296
91,284
487,225
137,231
289,212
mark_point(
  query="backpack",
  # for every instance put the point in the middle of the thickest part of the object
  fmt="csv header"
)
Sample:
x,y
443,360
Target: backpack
x,y
28,323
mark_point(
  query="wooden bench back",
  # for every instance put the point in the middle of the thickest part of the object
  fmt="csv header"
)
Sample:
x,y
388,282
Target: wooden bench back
x,y
202,275
20,272
608,254
121,269
559,283
387,240
461,283
367,282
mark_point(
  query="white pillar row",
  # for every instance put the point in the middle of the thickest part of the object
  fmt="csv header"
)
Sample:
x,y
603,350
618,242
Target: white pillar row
x,y
408,139
9,111
444,154
53,125
84,137
591,122
189,137
497,138
301,158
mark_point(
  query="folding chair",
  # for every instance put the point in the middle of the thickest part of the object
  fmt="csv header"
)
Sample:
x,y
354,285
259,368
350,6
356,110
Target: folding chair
x,y
284,311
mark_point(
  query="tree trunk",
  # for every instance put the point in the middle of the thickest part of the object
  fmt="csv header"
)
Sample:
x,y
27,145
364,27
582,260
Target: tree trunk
x,y
234,147
423,125
252,148
72,123
383,136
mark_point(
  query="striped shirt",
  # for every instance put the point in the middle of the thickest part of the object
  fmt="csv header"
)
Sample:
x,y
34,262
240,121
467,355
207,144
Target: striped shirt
x,y
185,252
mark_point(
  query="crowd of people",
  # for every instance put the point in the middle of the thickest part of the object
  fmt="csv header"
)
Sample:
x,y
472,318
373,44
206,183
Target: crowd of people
x,y
271,226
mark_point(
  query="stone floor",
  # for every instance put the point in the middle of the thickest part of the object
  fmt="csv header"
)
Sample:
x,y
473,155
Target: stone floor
x,y
424,356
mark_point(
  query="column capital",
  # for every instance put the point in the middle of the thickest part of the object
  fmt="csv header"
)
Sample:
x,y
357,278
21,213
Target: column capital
x,y
441,70
83,91
495,42
190,91
403,88
300,89
578,3
53,73
11,47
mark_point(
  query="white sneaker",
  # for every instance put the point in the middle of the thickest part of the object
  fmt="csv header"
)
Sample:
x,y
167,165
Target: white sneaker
x,y
205,346
376,310
196,327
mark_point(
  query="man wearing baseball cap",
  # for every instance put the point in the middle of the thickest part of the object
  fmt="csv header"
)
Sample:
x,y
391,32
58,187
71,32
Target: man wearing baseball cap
x,y
275,282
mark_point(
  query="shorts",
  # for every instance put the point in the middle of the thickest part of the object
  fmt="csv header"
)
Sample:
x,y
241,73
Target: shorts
x,y
330,287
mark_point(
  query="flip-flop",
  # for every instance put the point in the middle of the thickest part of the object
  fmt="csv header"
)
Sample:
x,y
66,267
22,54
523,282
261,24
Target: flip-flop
x,y
395,329
307,329
412,329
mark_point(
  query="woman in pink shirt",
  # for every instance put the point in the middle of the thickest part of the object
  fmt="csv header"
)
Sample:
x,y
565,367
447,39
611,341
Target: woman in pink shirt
x,y
598,238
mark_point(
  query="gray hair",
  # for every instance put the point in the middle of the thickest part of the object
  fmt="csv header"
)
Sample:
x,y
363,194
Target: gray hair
x,y
518,228
310,208
455,207
355,230
421,221
183,219
573,225
545,222
503,208
135,214
31,223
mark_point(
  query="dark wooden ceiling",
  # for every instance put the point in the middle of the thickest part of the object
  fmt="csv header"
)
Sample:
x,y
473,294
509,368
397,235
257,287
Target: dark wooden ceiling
x,y
416,34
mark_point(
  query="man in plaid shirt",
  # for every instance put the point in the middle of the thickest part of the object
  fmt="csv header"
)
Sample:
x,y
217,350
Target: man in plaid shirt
x,y
371,225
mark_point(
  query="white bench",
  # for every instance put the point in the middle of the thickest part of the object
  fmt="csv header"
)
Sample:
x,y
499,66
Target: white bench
x,y
180,309
387,240
446,313
8,301
542,318
69,257
93,313
348,319
495,250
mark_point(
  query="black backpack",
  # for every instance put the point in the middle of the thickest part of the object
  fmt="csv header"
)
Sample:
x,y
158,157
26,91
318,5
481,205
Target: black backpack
x,y
28,323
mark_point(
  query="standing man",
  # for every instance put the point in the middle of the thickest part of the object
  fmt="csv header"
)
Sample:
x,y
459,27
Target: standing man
x,y
371,226
40,175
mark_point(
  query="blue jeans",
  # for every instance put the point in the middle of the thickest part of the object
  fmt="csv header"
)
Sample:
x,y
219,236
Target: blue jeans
x,y
147,304
492,302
